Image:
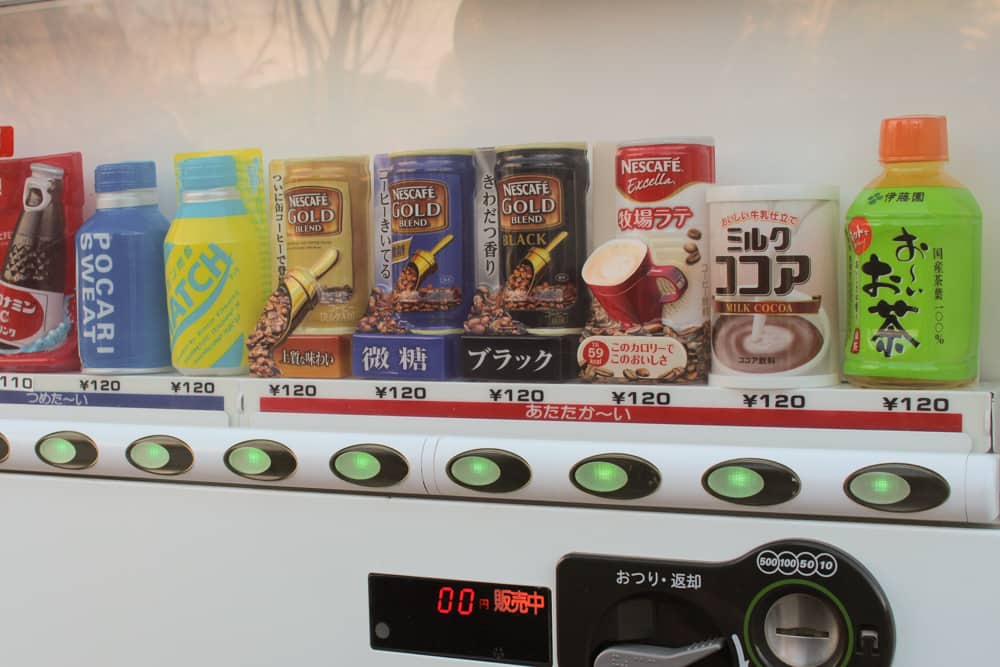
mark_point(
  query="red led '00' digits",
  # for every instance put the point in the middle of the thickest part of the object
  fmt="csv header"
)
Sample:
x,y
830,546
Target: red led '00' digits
x,y
446,600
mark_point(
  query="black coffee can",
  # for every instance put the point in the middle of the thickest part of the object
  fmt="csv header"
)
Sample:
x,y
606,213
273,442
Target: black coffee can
x,y
542,192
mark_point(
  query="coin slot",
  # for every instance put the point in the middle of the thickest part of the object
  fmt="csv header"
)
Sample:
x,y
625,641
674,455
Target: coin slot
x,y
260,460
812,636
489,470
369,464
68,450
160,455
799,623
615,476
802,632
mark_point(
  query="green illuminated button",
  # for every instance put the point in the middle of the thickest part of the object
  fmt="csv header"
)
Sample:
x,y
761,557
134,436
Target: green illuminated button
x,y
601,476
56,450
260,460
475,470
357,465
751,482
149,455
489,470
247,460
615,476
897,487
160,455
880,488
369,464
68,450
735,482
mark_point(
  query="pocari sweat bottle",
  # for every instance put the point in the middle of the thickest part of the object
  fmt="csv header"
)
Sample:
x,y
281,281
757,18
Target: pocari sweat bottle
x,y
121,297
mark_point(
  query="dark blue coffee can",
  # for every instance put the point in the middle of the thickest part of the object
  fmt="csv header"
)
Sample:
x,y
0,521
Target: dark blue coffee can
x,y
433,238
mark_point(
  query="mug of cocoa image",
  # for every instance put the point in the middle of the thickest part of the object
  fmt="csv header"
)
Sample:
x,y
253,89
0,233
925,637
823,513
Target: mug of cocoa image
x,y
622,277
786,348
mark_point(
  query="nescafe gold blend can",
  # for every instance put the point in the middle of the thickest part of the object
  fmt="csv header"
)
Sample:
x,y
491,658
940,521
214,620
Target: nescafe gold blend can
x,y
432,196
542,192
327,203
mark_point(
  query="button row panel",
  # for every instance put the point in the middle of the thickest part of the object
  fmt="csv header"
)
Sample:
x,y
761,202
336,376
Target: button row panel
x,y
893,487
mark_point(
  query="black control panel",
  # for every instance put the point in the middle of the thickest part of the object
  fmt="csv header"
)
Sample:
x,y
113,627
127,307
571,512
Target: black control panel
x,y
476,620
792,603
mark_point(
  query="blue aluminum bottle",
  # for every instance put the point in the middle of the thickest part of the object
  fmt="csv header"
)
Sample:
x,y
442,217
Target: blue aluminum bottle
x,y
121,296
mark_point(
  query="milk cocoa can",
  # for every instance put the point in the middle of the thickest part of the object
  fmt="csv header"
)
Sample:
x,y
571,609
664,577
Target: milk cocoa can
x,y
774,286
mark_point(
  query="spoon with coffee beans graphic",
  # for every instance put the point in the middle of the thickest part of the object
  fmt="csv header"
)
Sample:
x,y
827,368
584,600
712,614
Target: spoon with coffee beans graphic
x,y
422,264
285,309
524,276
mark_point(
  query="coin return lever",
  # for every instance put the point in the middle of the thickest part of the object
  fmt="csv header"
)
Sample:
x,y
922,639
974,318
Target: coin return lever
x,y
641,655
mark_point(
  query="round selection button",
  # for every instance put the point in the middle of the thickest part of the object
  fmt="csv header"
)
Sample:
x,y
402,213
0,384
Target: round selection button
x,y
615,476
735,482
752,482
370,464
56,450
249,461
475,471
260,460
150,455
880,488
357,466
68,450
160,455
897,487
489,470
601,476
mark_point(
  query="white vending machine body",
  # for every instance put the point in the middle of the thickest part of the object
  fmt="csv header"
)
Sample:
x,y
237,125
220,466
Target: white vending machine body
x,y
101,572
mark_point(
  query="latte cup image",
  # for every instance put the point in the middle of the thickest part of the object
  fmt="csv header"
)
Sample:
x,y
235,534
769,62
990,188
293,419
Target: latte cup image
x,y
622,277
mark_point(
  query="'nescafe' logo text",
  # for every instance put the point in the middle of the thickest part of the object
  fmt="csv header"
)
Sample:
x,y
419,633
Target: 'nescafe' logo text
x,y
419,206
314,210
654,173
651,165
530,203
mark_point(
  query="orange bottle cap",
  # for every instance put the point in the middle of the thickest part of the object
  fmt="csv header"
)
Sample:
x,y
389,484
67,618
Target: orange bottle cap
x,y
914,139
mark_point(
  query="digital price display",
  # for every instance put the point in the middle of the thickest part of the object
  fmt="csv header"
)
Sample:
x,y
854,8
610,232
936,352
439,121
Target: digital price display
x,y
461,619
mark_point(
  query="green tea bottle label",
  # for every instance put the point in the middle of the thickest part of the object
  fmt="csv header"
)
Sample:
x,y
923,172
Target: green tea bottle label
x,y
913,266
